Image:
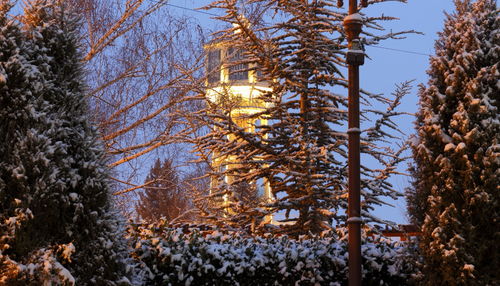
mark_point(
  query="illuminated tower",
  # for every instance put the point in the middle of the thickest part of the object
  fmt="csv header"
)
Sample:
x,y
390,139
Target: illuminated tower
x,y
230,80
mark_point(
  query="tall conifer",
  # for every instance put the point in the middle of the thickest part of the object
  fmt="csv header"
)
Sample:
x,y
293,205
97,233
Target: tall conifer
x,y
61,178
301,151
25,155
456,192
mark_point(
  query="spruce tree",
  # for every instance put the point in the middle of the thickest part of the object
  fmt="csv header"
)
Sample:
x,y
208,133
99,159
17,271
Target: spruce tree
x,y
162,197
455,196
61,174
301,151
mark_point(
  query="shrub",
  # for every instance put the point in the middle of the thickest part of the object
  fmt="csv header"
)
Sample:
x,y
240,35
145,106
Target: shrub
x,y
192,256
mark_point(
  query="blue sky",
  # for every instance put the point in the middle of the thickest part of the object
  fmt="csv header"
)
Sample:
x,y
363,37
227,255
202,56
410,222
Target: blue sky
x,y
390,67
386,67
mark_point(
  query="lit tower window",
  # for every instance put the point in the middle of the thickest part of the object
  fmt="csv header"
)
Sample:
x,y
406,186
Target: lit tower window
x,y
238,69
214,66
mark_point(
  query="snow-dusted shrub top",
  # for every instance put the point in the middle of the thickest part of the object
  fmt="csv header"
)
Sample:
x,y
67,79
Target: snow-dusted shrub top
x,y
174,256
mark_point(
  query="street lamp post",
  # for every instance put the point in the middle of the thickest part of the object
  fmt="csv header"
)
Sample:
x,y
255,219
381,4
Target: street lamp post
x,y
355,57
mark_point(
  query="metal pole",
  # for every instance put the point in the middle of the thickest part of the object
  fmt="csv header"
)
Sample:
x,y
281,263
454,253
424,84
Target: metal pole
x,y
355,57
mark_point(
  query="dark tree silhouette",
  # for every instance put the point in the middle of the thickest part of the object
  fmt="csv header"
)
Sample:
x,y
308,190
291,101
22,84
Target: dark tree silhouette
x,y
163,196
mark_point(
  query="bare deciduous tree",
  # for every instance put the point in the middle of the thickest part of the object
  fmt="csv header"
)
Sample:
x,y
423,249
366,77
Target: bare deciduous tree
x,y
137,58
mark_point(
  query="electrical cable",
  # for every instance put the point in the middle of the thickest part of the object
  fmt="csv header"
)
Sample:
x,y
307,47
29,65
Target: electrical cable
x,y
190,9
378,47
400,50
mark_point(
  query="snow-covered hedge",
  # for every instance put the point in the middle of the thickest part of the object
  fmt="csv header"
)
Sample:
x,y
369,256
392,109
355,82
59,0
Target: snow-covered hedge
x,y
174,256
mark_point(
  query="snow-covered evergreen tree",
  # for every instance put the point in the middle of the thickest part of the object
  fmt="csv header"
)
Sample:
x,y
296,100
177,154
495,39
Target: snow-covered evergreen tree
x,y
456,192
301,152
53,169
24,148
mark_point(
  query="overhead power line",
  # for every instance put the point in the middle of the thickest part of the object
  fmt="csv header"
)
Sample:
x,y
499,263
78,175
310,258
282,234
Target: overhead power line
x,y
400,50
378,47
193,10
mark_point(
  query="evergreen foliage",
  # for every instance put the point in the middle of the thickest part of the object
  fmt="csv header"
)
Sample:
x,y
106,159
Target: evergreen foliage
x,y
162,197
193,255
455,196
301,152
21,172
57,223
